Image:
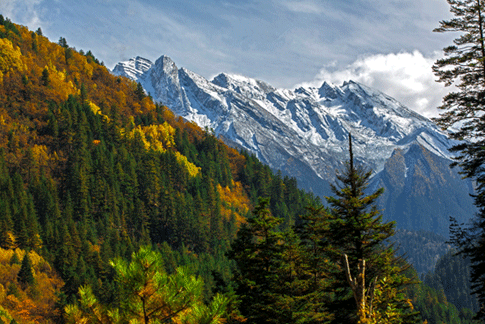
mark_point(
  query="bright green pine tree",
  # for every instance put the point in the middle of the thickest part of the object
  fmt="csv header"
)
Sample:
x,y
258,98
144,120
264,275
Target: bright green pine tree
x,y
148,294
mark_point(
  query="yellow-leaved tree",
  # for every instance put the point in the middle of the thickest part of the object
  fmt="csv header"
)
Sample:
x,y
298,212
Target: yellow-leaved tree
x,y
30,298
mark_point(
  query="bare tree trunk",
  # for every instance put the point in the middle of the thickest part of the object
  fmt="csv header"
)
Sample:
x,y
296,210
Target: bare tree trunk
x,y
358,288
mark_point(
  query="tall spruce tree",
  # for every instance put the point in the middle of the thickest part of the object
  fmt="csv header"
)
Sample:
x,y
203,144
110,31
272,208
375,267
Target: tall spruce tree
x,y
257,253
281,277
25,275
316,271
357,237
464,110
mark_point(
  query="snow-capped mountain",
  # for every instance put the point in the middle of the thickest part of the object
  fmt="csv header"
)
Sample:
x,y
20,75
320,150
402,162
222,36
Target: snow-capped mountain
x,y
304,133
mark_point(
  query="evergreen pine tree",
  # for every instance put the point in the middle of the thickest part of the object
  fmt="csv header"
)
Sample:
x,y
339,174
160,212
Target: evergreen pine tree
x,y
7,239
25,275
149,295
12,289
139,91
318,272
63,42
357,233
257,253
45,77
464,65
14,259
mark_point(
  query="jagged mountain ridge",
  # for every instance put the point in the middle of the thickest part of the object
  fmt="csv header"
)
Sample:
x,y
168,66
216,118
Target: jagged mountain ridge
x,y
304,133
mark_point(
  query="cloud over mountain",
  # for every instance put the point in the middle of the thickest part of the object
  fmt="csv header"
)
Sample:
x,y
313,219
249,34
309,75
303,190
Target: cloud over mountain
x,y
408,77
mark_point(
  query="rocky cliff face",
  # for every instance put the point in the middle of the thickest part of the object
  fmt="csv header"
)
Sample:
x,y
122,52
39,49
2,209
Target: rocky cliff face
x,y
304,132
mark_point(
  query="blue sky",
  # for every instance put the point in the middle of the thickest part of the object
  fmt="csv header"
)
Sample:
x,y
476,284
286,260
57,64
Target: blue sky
x,y
386,44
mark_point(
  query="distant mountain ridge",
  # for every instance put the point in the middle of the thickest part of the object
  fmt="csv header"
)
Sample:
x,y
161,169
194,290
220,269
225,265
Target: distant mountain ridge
x,y
303,133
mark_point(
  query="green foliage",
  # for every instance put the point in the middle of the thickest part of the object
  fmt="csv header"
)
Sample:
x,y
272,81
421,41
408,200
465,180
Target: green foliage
x,y
147,294
357,230
5,317
15,259
45,77
464,65
422,249
358,226
25,275
9,26
434,306
12,289
275,280
315,270
452,276
296,276
139,92
257,253
62,42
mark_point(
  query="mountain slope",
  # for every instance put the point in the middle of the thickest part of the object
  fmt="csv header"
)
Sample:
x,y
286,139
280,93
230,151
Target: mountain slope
x,y
91,169
303,132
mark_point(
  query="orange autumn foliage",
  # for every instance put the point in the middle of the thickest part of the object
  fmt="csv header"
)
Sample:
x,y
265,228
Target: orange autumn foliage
x,y
36,71
32,76
34,304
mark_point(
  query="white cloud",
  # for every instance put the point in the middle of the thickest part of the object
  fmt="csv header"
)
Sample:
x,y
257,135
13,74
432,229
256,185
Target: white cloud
x,y
22,11
303,7
406,77
7,7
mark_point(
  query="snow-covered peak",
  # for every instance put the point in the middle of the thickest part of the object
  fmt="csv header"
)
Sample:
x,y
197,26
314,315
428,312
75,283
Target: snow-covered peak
x,y
329,91
246,86
165,65
317,116
317,119
134,68
376,98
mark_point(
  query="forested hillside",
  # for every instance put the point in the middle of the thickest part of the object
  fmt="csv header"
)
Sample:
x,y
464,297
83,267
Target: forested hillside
x,y
91,168
452,276
421,248
103,191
